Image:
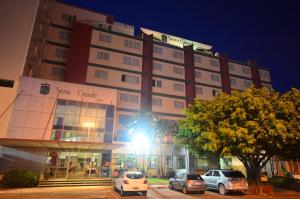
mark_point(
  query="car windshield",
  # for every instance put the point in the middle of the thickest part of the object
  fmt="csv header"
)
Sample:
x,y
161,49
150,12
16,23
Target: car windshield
x,y
134,175
233,174
193,177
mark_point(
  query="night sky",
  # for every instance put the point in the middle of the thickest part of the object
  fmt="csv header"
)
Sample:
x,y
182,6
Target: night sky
x,y
265,31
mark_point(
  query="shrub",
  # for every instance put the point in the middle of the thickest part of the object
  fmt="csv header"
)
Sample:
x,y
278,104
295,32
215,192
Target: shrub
x,y
20,178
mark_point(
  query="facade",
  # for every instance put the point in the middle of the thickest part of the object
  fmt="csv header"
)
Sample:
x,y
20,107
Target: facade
x,y
84,77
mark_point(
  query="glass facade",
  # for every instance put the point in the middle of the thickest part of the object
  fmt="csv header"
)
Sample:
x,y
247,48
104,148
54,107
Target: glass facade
x,y
83,121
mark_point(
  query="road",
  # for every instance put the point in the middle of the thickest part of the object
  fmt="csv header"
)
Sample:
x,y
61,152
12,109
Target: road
x,y
108,193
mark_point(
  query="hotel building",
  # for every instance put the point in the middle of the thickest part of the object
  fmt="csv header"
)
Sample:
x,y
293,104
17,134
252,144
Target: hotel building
x,y
79,78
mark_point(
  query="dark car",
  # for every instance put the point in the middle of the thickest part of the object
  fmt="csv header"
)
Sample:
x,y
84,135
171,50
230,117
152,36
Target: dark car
x,y
187,183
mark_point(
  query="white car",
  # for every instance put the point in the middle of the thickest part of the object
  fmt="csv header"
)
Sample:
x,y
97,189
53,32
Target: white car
x,y
131,182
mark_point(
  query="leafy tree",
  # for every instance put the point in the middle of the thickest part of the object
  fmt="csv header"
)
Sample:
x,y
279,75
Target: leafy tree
x,y
252,125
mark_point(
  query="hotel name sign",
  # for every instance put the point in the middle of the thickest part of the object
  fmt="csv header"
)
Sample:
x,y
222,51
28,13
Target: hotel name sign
x,y
176,41
55,89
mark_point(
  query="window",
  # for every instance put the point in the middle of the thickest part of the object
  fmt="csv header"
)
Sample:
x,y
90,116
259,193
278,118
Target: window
x,y
67,17
216,173
102,55
169,161
178,105
129,98
178,54
197,59
105,38
199,90
180,162
231,66
157,50
246,70
247,83
131,61
198,74
132,44
157,66
57,71
156,83
156,102
60,52
101,74
215,77
130,79
64,35
264,74
6,83
215,93
152,162
178,70
213,62
232,81
178,87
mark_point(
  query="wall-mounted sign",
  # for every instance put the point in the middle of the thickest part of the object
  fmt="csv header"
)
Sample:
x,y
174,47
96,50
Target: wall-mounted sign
x,y
176,41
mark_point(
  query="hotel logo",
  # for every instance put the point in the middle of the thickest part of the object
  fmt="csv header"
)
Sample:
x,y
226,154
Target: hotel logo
x,y
45,88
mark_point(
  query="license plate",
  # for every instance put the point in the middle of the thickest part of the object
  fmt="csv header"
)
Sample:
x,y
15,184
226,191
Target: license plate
x,y
136,188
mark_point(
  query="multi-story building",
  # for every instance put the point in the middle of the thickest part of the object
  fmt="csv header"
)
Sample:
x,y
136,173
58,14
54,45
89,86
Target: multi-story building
x,y
86,77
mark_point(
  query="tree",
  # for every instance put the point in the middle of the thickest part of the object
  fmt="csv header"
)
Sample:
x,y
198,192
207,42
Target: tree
x,y
250,125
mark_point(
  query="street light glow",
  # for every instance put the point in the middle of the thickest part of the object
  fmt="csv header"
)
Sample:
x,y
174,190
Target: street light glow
x,y
141,142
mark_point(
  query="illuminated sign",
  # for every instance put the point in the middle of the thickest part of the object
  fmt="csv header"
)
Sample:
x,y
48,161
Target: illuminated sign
x,y
176,41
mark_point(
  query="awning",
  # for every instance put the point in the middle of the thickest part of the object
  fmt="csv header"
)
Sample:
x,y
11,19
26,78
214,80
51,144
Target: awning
x,y
57,145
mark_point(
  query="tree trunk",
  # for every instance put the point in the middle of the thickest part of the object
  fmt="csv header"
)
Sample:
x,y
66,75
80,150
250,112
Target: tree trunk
x,y
253,175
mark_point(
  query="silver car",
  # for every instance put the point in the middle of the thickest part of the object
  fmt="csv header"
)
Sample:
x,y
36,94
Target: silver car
x,y
187,183
225,181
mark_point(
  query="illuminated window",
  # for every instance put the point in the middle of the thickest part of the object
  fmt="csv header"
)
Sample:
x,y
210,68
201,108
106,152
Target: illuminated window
x,y
215,77
105,38
130,79
215,93
103,55
101,74
63,35
178,70
247,83
156,83
180,162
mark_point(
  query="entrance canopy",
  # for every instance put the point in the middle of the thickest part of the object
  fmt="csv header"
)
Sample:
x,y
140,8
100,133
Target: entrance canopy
x,y
57,145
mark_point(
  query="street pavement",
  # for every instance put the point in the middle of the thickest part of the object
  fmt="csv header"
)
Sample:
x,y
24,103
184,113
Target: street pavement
x,y
96,192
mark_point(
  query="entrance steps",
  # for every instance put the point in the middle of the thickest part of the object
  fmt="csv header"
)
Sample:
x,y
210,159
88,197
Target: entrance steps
x,y
75,182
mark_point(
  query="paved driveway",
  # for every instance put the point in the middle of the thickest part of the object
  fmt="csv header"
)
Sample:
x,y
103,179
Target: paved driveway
x,y
107,193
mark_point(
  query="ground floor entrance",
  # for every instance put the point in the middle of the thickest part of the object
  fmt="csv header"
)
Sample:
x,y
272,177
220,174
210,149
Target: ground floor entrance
x,y
70,164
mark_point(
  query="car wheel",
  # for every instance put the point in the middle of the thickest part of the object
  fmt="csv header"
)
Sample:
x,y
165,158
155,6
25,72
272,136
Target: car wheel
x,y
122,192
144,193
171,186
222,189
184,190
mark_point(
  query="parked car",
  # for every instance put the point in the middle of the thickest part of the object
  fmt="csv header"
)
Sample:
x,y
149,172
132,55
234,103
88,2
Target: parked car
x,y
225,181
131,182
187,183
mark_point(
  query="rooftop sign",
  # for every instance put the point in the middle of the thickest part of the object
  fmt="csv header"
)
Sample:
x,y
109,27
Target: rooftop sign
x,y
176,41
